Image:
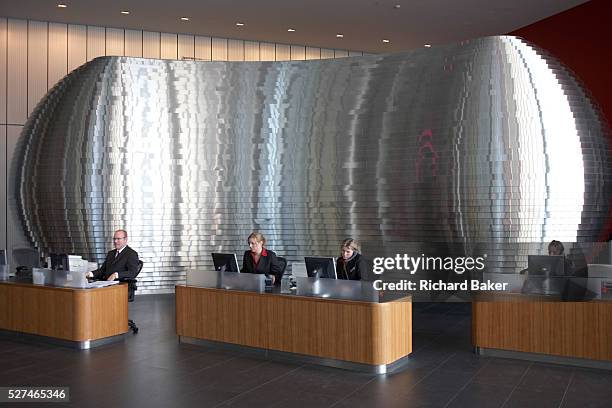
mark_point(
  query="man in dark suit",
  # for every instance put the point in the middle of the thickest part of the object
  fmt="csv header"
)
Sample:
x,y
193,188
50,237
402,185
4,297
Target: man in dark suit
x,y
121,262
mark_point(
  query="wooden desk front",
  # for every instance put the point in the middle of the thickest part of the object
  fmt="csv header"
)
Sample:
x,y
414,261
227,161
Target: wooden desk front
x,y
539,325
358,332
64,313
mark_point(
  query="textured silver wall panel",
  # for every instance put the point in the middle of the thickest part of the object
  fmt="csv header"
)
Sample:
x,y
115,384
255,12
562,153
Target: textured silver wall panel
x,y
115,41
3,157
327,53
251,51
186,46
203,48
313,53
283,52
235,50
133,43
3,48
267,51
169,46
96,42
341,53
57,63
219,49
17,72
16,236
37,63
298,52
151,44
77,46
487,144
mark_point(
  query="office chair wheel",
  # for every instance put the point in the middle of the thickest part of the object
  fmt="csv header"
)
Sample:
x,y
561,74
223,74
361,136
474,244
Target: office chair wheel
x,y
132,326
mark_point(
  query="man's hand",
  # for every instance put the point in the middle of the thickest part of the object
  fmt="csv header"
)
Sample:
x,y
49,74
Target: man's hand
x,y
113,276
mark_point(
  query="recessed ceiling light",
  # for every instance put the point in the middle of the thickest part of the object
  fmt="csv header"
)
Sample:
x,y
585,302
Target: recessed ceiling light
x,y
62,5
240,24
291,30
427,45
125,12
397,6
185,18
339,35
386,41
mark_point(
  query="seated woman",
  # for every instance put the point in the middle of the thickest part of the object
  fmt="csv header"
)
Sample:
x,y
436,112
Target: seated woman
x,y
556,248
575,263
261,260
350,265
569,287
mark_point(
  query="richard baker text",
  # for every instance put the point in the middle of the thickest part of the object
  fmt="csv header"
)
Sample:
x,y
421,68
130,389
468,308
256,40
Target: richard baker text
x,y
428,284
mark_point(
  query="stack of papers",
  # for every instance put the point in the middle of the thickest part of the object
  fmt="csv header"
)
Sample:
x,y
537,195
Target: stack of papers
x,y
101,284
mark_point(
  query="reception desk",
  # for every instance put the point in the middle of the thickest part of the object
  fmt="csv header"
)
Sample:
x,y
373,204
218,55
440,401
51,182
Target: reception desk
x,y
543,328
81,318
337,325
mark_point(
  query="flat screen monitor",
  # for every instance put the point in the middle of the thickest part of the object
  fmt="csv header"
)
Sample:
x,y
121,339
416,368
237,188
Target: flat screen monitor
x,y
320,267
3,260
225,262
546,265
59,261
545,275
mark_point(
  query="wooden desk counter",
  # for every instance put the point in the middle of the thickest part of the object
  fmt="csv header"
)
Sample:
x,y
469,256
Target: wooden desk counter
x,y
368,333
75,315
542,325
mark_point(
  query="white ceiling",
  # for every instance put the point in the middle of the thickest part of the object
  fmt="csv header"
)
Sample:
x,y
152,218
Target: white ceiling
x,y
364,23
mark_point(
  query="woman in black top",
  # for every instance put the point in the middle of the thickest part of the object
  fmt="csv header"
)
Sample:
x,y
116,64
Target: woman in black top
x,y
261,260
350,265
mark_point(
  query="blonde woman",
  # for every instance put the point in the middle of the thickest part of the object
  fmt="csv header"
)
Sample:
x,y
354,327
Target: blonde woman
x,y
259,259
350,265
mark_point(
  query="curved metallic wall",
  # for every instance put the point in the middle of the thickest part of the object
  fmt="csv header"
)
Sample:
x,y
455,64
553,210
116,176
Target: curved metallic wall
x,y
488,144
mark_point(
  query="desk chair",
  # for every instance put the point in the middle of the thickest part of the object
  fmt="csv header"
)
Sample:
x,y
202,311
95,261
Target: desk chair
x,y
131,289
283,263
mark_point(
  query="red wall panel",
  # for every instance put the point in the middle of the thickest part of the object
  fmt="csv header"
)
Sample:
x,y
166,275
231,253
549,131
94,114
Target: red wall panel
x,y
581,38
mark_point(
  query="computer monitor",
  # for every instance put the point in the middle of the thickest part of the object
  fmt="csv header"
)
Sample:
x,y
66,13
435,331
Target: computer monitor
x,y
320,267
546,265
225,262
59,262
3,259
545,275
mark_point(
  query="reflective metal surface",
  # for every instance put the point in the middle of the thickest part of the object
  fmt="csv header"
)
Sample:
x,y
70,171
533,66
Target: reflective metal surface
x,y
489,144
276,355
79,345
544,358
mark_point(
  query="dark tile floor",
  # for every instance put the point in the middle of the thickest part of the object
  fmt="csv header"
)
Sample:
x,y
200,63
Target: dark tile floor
x,y
152,369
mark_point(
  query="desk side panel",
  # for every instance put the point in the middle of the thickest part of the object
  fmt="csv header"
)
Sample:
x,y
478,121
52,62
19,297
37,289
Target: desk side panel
x,y
100,313
392,328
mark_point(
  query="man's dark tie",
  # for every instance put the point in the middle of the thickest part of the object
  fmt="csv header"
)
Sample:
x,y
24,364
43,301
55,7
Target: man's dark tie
x,y
116,254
